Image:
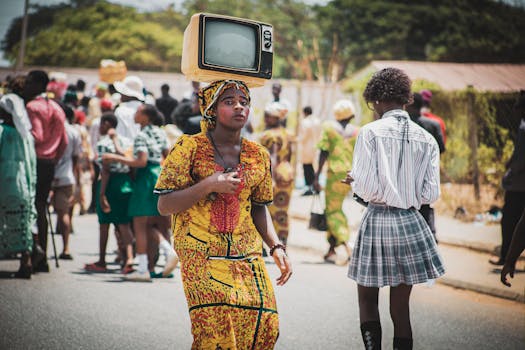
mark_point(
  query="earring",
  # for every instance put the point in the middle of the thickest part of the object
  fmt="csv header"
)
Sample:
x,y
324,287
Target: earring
x,y
377,102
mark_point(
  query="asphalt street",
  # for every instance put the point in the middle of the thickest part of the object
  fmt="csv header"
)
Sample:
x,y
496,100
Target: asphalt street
x,y
70,309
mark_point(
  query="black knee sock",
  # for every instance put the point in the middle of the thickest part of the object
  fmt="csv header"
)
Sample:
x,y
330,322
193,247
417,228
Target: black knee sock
x,y
371,332
402,343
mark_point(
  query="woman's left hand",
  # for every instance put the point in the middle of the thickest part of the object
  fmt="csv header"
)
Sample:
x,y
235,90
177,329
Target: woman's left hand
x,y
284,264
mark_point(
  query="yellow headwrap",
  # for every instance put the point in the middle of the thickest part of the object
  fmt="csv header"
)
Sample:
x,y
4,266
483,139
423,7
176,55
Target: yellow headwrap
x,y
209,95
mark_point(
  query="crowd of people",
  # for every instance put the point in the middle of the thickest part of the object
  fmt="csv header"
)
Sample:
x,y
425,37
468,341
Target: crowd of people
x,y
192,181
55,138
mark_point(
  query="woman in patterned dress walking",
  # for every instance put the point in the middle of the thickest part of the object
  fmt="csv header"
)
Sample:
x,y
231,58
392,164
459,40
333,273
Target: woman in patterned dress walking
x,y
216,185
278,141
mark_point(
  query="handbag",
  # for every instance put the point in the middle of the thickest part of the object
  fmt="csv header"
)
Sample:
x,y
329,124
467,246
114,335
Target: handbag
x,y
317,214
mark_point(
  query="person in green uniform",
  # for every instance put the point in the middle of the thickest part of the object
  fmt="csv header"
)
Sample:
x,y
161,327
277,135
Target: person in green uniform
x,y
112,197
336,145
150,146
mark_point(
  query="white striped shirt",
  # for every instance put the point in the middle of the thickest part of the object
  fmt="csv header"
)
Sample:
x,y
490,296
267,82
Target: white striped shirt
x,y
396,162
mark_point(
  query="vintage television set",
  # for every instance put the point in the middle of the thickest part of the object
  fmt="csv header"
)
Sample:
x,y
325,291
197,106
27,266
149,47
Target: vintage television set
x,y
221,47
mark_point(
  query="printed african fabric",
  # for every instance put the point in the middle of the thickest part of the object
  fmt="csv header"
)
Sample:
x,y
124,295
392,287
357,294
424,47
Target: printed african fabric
x,y
278,140
339,143
230,296
17,198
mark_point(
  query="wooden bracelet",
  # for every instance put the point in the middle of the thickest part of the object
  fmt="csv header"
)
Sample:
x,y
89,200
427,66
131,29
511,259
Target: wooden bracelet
x,y
277,246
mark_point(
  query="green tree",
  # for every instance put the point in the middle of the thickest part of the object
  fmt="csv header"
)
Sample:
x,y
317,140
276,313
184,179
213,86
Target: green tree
x,y
85,32
448,30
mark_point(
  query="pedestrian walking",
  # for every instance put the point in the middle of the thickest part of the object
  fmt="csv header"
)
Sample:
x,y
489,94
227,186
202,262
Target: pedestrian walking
x,y
66,178
279,143
131,98
115,194
517,246
309,134
337,146
426,111
216,185
49,133
18,179
433,127
166,103
149,146
513,184
396,170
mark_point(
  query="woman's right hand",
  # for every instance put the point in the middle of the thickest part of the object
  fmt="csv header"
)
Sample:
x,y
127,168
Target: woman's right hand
x,y
221,182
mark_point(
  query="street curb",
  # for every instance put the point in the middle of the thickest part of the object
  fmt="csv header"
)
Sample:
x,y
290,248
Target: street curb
x,y
477,246
451,282
495,292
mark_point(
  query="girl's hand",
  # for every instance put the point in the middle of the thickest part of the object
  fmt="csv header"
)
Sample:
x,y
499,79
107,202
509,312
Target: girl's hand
x,y
112,133
283,263
221,182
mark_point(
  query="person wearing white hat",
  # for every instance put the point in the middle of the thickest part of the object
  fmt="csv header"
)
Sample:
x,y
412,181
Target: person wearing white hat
x,y
336,145
132,96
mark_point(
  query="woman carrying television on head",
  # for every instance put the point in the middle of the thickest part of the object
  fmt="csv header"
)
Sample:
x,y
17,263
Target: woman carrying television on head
x,y
396,170
217,185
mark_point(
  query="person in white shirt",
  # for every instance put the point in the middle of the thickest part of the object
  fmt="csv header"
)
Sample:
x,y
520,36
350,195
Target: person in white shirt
x,y
395,169
309,134
132,96
66,177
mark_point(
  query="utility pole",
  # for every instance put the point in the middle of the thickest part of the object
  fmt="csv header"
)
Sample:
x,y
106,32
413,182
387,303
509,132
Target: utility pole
x,y
473,140
20,62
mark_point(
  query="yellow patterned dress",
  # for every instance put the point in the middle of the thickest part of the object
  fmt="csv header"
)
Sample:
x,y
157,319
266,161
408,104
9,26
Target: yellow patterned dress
x,y
283,175
230,296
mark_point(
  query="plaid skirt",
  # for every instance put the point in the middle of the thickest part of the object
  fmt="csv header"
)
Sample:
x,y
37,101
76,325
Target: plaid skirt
x,y
394,246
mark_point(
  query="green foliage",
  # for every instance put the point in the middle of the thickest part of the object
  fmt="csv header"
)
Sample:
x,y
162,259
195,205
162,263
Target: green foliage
x,y
349,33
103,30
447,30
494,122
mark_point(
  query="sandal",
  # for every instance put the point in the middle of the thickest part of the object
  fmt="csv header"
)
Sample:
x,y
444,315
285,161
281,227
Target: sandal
x,y
95,267
160,275
127,269
330,258
65,256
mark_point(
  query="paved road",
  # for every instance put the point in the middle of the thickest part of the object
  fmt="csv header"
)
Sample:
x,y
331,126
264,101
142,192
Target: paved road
x,y
69,309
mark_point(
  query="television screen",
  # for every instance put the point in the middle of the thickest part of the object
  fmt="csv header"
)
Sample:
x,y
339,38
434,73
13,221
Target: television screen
x,y
230,44
221,47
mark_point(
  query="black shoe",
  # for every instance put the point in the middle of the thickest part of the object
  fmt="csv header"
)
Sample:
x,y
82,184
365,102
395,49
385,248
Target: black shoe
x,y
38,255
497,261
64,256
24,271
308,193
42,267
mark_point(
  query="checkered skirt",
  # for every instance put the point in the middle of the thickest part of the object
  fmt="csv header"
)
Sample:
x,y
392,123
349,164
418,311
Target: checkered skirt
x,y
394,246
